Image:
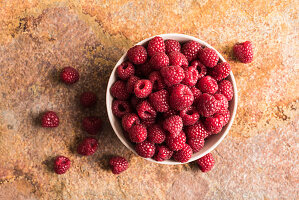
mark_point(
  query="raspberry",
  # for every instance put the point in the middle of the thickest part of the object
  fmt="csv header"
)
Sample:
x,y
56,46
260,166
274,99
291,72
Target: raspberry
x,y
145,149
226,116
207,105
244,52
162,153
196,144
148,122
119,90
61,164
92,124
173,125
190,116
223,103
181,97
202,70
88,146
137,55
208,57
157,81
143,88
169,113
196,93
225,87
184,154
69,75
172,75
206,163
176,143
125,70
177,59
131,83
88,99
158,61
120,108
129,120
160,100
190,50
155,45
50,119
214,124
156,134
118,164
144,69
171,46
207,85
197,131
220,71
138,133
191,77
145,110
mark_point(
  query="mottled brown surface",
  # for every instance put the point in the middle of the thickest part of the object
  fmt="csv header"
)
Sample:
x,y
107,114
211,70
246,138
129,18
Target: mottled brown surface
x,y
257,160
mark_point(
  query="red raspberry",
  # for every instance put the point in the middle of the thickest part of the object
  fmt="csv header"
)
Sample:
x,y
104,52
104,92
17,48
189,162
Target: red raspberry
x,y
69,75
120,108
220,71
138,133
176,143
143,88
145,149
118,164
157,81
148,122
206,163
196,93
170,113
137,55
129,120
173,125
172,75
155,45
190,116
125,70
145,110
160,100
214,124
50,119
92,124
225,87
184,154
131,83
177,59
162,153
61,164
156,134
202,70
181,97
244,52
207,85
226,116
159,60
143,70
208,57
223,103
207,105
196,144
191,76
171,46
190,50
88,146
197,131
119,90
88,99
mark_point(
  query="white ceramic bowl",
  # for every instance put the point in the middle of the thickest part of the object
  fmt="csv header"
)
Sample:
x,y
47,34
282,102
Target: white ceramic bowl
x,y
210,143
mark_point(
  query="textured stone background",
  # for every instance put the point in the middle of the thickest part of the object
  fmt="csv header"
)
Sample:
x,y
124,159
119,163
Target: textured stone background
x,y
257,160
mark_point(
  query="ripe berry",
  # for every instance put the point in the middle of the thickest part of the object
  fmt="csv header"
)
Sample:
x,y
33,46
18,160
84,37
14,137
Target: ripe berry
x,y
129,120
125,70
69,75
155,45
61,164
143,70
176,143
184,154
207,105
137,55
171,46
170,113
88,146
158,61
120,108
50,119
92,124
202,70
88,99
191,76
162,153
223,103
196,144
143,88
160,100
190,50
119,90
226,116
220,71
208,57
206,163
156,134
207,85
131,83
196,93
214,124
177,59
173,125
181,97
190,116
226,88
138,133
148,122
244,52
172,75
145,110
197,131
157,81
145,149
118,164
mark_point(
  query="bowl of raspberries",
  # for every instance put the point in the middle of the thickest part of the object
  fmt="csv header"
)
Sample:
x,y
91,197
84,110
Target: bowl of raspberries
x,y
171,98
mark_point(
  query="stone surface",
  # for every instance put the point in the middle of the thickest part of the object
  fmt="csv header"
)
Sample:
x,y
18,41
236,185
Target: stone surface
x,y
257,160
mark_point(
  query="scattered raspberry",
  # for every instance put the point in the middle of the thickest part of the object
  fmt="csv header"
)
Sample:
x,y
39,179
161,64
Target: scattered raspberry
x,y
202,70
159,60
138,133
214,124
207,105
177,59
184,154
143,88
155,45
171,46
50,119
176,143
119,90
118,164
170,113
244,52
191,76
208,57
129,120
156,134
226,116
148,122
69,75
61,164
144,69
172,75
197,131
131,83
160,100
173,125
125,70
145,149
157,81
120,108
206,163
190,116
137,55
88,146
190,50
145,110
181,97
92,124
207,85
196,144
88,99
220,71
223,103
196,93
225,87
162,153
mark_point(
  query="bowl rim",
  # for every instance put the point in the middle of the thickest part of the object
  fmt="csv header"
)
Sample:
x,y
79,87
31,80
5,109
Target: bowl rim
x,y
111,116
